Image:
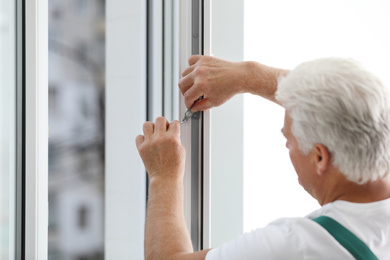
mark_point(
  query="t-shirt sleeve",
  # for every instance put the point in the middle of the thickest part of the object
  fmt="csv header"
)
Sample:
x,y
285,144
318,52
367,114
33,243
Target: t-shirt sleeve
x,y
275,241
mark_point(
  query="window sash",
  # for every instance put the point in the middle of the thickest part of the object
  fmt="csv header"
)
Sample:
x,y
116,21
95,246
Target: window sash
x,y
125,177
195,38
36,129
153,91
9,154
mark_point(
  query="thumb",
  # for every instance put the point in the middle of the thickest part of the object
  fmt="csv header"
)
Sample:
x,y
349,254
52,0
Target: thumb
x,y
139,140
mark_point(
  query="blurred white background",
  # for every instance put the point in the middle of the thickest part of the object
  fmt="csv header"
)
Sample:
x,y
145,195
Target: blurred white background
x,y
283,34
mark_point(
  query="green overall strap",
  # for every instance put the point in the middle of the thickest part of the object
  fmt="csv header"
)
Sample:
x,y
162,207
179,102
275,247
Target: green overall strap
x,y
346,238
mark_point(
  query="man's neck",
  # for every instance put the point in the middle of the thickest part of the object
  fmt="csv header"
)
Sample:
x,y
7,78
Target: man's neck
x,y
358,193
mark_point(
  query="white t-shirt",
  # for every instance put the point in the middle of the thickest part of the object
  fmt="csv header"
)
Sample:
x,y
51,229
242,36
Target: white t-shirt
x,y
302,238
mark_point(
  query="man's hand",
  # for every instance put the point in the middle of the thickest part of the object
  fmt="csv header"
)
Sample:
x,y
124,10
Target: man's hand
x,y
214,79
161,150
166,234
218,81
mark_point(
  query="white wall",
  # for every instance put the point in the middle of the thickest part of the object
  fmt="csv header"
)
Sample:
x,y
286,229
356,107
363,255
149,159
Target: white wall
x,y
284,33
227,130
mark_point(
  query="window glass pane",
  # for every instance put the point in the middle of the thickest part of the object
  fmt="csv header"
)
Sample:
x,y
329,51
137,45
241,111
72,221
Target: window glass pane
x,y
283,34
76,119
7,128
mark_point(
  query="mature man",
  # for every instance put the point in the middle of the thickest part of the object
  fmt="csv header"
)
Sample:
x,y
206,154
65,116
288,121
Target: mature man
x,y
337,126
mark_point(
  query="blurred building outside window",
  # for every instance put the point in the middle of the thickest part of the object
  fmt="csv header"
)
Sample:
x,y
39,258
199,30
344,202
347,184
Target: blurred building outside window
x,y
76,120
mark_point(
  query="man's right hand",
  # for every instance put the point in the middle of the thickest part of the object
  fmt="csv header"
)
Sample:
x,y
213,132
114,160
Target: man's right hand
x,y
214,79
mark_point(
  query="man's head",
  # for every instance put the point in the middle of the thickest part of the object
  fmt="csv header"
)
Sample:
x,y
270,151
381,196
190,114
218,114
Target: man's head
x,y
313,167
339,104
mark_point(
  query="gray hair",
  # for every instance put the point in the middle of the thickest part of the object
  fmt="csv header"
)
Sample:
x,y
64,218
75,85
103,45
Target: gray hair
x,y
340,104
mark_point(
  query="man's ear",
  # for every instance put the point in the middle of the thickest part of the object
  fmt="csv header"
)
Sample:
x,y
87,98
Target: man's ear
x,y
322,158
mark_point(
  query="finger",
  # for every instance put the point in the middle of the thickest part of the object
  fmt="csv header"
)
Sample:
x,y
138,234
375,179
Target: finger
x,y
194,59
186,83
192,94
202,105
148,129
188,70
174,128
161,125
139,140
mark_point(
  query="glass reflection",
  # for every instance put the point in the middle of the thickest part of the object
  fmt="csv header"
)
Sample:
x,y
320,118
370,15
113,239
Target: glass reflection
x,y
76,119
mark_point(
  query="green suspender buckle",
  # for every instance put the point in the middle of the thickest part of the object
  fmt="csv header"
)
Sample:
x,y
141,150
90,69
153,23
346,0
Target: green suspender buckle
x,y
346,238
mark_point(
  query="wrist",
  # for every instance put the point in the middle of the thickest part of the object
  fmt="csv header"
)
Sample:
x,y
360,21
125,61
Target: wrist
x,y
165,180
161,188
245,72
262,80
250,76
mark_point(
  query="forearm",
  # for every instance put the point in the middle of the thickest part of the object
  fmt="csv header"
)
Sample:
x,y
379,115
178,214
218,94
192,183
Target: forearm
x,y
261,80
166,234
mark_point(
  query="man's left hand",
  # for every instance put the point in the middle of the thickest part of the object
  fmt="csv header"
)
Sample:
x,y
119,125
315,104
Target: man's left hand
x,y
161,150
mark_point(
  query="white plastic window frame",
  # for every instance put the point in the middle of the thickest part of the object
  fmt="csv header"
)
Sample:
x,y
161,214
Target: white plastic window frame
x,y
125,177
195,38
137,88
36,129
220,148
162,95
10,152
162,59
135,93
